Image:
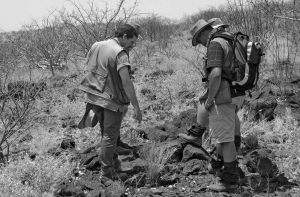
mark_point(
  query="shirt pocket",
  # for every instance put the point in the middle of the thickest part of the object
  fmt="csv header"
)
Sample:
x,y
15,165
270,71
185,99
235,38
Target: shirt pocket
x,y
96,81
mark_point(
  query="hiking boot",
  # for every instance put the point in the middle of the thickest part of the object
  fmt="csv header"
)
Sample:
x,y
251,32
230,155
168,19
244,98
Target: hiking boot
x,y
223,187
117,165
216,164
196,130
120,143
188,138
230,173
108,177
123,151
214,171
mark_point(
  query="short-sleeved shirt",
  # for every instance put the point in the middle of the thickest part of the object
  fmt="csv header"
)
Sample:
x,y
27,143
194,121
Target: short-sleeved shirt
x,y
121,61
219,54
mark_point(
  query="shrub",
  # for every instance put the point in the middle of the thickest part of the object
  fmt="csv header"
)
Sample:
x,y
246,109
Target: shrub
x,y
156,159
43,141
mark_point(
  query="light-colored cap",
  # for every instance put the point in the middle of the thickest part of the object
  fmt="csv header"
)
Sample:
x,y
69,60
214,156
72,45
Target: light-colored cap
x,y
217,22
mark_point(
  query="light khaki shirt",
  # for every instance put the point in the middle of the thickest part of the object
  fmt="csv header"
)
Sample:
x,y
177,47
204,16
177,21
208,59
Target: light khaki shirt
x,y
122,61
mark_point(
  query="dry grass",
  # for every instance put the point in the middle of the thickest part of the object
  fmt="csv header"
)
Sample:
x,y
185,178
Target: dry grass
x,y
156,157
282,135
27,178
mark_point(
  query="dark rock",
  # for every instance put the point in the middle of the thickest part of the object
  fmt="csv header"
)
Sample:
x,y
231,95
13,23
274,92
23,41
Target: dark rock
x,y
96,193
94,164
193,166
266,103
72,124
88,183
156,191
281,179
251,159
156,134
69,189
67,143
133,167
2,158
87,158
266,168
192,152
168,179
26,138
250,141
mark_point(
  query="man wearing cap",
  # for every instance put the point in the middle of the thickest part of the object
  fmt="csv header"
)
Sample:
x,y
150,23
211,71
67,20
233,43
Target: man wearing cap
x,y
221,116
108,92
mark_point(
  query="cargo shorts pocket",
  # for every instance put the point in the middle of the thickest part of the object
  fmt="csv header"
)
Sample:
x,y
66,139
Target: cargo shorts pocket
x,y
216,126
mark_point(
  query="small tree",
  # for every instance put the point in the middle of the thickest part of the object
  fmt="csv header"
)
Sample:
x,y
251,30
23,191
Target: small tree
x,y
44,43
16,114
88,25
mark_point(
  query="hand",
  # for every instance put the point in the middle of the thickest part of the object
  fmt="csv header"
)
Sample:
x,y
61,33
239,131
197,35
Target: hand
x,y
205,84
137,114
125,111
208,104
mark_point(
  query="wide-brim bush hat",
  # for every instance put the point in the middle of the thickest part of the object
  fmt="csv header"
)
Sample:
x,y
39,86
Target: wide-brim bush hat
x,y
197,29
217,22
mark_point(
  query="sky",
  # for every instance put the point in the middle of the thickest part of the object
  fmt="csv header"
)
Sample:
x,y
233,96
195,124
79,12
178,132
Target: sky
x,y
15,13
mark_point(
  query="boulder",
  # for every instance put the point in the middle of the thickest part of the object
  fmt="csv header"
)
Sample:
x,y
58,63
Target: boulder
x,y
156,134
254,163
266,168
194,166
271,101
192,152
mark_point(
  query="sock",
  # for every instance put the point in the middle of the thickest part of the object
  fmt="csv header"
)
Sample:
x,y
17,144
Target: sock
x,y
237,142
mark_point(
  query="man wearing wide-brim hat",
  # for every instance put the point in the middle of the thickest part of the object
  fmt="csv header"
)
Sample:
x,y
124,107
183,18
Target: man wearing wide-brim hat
x,y
195,133
221,114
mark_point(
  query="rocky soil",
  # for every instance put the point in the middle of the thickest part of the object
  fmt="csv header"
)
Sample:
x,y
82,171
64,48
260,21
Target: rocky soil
x,y
184,173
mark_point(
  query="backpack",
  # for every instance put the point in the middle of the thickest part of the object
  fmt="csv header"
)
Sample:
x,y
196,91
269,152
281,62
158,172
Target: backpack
x,y
246,60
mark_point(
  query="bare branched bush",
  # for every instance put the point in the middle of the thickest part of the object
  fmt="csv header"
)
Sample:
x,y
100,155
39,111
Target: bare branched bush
x,y
16,101
193,56
43,45
88,25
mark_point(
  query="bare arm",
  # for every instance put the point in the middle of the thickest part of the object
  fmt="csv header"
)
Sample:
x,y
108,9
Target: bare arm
x,y
214,66
128,86
130,92
214,83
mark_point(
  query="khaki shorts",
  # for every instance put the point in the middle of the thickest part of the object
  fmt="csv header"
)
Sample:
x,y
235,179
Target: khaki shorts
x,y
238,101
222,122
